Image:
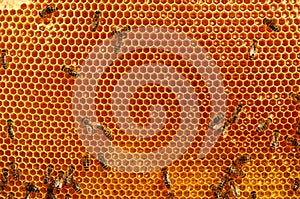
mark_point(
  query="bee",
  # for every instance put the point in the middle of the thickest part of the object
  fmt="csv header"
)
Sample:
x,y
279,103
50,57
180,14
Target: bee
x,y
234,189
14,169
68,196
59,180
241,160
215,191
298,128
292,141
86,161
48,174
296,184
102,161
223,182
47,11
30,188
253,195
274,140
69,71
236,113
4,180
69,175
253,49
11,195
76,186
271,24
10,129
235,171
95,22
264,124
166,177
171,195
295,97
50,191
4,59
215,121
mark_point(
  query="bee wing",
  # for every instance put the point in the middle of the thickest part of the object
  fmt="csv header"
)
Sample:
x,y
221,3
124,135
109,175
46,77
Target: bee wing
x,y
89,129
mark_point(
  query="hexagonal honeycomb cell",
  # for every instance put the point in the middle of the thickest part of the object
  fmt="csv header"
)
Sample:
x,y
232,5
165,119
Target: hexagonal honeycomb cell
x,y
46,104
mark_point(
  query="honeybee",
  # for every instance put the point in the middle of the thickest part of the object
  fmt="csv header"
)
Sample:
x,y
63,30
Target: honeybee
x,y
292,141
296,184
171,195
271,24
298,128
4,180
47,11
215,191
234,189
10,129
14,169
11,195
69,71
235,171
76,186
241,160
253,195
253,49
86,161
4,59
223,182
68,196
69,175
236,113
166,177
96,20
274,140
295,97
225,195
30,188
102,161
214,124
59,180
264,124
48,174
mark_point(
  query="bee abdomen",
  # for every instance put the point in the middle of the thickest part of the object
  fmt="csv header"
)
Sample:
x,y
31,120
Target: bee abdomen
x,y
271,24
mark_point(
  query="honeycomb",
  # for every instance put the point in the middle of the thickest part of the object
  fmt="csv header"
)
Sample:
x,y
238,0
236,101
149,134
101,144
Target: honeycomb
x,y
39,97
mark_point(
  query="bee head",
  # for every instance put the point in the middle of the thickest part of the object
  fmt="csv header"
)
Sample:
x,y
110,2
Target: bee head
x,y
9,121
51,166
255,41
269,119
40,13
291,93
12,163
72,167
61,173
164,169
63,67
97,12
265,20
286,137
4,51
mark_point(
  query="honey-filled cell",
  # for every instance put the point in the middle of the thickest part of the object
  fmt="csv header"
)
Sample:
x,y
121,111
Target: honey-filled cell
x,y
149,96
